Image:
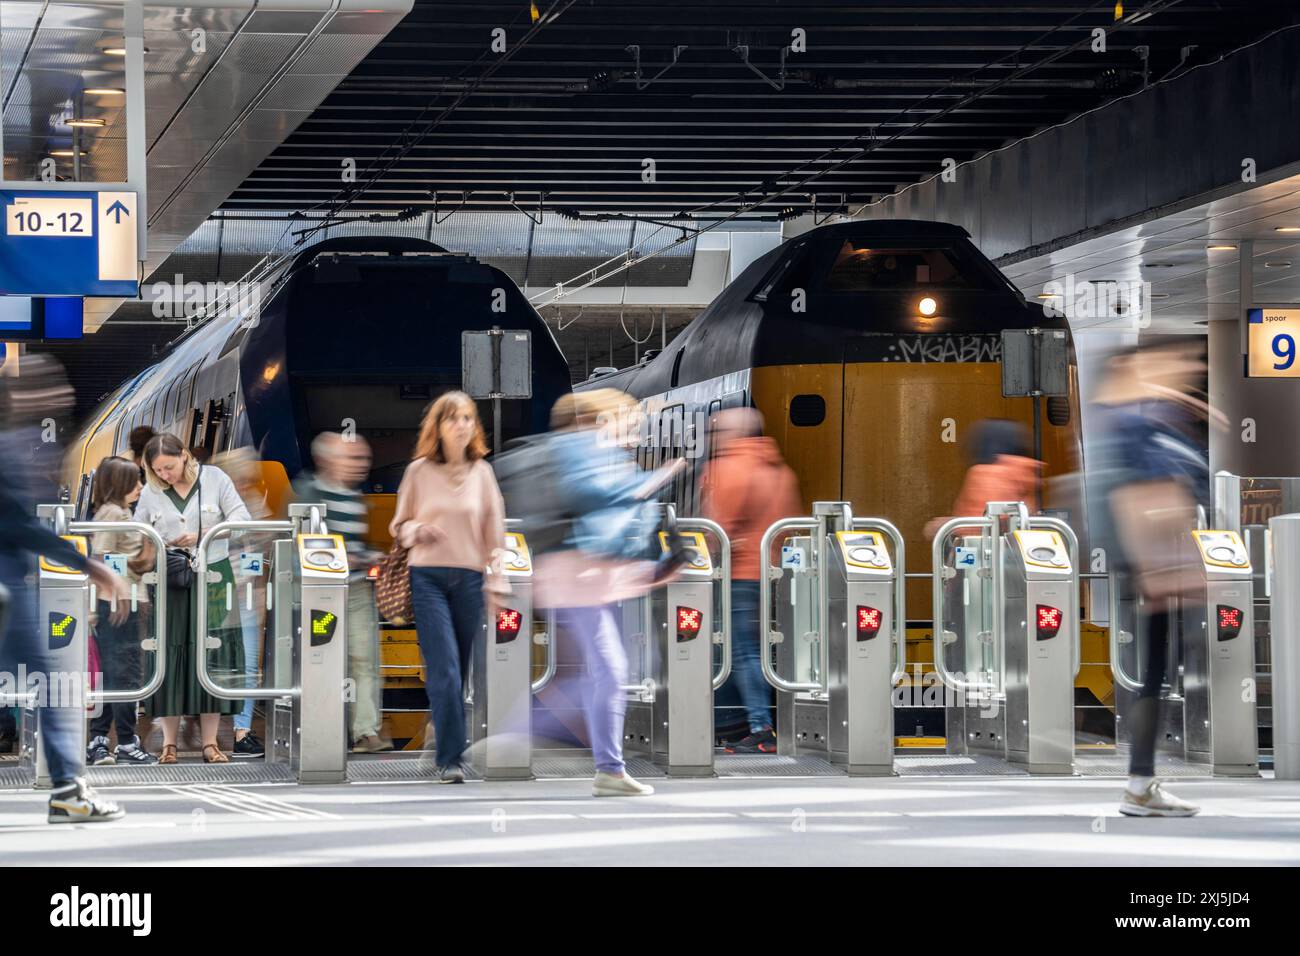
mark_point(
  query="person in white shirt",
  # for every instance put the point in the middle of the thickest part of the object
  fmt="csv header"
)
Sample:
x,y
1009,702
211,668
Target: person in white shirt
x,y
182,501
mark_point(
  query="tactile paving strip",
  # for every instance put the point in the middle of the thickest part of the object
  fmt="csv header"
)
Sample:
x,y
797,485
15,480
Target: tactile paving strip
x,y
774,765
237,771
14,777
956,765
394,768
584,766
1115,764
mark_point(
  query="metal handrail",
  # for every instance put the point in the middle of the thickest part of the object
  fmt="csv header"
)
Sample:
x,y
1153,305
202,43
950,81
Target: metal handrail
x,y
900,589
724,562
201,627
548,673
936,595
765,607
1072,546
1116,664
159,605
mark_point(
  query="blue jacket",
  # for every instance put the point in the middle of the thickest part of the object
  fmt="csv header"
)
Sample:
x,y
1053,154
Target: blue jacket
x,y
600,485
1136,443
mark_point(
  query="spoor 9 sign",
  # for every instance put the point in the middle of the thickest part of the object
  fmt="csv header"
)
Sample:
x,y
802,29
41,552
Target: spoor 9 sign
x,y
1271,344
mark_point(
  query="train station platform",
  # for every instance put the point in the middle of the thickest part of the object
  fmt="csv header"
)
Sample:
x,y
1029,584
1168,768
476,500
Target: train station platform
x,y
921,820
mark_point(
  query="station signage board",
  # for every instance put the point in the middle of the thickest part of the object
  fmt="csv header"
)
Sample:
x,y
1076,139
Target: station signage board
x,y
1272,334
69,243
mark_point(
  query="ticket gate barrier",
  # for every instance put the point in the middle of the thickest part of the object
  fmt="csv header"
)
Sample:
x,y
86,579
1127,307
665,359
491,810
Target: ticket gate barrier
x,y
1018,585
66,602
499,707
1284,625
670,716
847,610
313,739
1219,710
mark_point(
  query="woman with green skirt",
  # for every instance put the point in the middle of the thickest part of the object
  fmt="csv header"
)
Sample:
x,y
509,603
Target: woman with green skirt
x,y
182,501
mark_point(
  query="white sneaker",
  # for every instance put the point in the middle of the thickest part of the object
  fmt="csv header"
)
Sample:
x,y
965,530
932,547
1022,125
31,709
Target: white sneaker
x,y
1154,802
77,803
608,785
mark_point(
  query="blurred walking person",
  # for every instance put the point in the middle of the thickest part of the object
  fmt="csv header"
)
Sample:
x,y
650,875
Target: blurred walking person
x,y
341,467
1001,468
608,555
451,520
747,488
27,464
1147,475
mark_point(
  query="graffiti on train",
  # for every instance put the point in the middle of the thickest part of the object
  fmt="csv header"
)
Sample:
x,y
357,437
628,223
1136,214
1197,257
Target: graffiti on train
x,y
945,348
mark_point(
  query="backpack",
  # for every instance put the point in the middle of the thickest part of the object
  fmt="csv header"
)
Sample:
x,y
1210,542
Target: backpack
x,y
530,485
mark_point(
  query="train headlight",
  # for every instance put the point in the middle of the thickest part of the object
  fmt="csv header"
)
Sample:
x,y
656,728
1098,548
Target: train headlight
x,y
927,306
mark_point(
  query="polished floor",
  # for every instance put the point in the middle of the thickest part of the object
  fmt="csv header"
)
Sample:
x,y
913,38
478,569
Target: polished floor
x,y
771,820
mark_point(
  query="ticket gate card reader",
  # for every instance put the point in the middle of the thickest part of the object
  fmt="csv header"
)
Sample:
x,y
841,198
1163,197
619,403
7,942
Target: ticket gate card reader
x,y
1040,620
64,618
319,730
860,714
681,713
500,709
1219,659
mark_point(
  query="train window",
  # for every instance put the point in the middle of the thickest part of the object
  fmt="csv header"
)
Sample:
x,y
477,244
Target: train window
x,y
807,410
185,397
863,267
1058,410
789,270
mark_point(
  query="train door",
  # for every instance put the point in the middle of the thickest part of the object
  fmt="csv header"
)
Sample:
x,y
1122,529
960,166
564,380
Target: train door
x,y
907,415
802,409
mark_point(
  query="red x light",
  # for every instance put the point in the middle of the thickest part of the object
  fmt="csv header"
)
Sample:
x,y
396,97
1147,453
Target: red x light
x,y
508,623
1049,621
688,623
869,620
1230,622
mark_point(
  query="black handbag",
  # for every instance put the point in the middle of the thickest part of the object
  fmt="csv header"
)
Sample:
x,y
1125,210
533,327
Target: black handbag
x,y
180,572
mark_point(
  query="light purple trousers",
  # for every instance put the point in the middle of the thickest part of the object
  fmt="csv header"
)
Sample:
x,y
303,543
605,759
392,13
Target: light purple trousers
x,y
594,631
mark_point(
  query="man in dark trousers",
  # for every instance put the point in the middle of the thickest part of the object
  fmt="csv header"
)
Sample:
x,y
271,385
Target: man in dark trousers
x,y
747,488
28,404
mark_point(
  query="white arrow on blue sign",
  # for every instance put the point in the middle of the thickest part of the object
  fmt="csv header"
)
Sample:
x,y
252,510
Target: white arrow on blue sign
x,y
69,243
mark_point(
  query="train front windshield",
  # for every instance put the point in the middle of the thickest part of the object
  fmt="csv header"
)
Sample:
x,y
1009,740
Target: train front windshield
x,y
862,266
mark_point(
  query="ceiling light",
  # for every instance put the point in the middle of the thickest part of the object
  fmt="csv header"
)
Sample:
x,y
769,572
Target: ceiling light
x,y
1158,295
91,123
1049,295
104,91
119,50
1278,264
1158,265
927,306
1286,228
61,153
1220,248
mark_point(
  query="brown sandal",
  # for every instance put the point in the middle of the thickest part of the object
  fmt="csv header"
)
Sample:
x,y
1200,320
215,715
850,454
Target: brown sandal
x,y
218,757
168,754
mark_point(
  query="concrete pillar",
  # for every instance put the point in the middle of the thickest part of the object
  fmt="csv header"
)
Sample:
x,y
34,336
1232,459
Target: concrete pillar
x,y
1271,405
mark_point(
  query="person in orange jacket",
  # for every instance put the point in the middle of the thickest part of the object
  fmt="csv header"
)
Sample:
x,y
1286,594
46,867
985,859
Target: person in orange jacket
x,y
1002,469
747,488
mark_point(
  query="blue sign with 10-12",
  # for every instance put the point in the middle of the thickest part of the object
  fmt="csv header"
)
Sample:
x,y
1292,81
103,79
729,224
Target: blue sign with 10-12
x,y
69,243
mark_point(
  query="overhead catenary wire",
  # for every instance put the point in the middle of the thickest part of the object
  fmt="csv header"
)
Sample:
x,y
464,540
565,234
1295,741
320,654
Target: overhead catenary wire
x,y
630,257
408,139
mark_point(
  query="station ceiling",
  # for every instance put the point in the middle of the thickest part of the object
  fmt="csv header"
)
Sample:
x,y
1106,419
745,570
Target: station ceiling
x,y
732,101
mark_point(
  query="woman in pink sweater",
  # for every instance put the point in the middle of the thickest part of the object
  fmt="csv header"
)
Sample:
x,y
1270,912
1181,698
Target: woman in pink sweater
x,y
451,518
